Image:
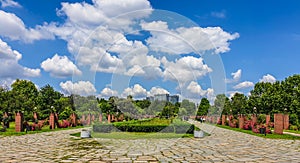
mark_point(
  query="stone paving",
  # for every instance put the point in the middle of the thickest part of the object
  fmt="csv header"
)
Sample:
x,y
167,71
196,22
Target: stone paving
x,y
222,146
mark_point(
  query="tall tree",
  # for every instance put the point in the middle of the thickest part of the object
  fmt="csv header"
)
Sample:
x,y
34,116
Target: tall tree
x,y
203,107
239,103
24,94
48,101
189,106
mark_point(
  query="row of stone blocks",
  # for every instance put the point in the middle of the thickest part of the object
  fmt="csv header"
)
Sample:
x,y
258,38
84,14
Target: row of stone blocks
x,y
281,121
53,119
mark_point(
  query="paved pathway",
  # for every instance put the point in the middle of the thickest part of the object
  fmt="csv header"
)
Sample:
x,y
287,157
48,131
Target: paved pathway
x,y
222,146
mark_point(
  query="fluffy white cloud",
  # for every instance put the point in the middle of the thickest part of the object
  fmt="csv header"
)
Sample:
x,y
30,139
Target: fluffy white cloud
x,y
10,68
137,91
236,76
242,85
268,78
83,88
107,92
195,89
185,69
9,3
11,26
157,90
60,66
187,40
105,11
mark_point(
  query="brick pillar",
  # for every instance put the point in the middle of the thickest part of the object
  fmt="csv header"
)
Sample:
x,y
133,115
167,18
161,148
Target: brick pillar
x,y
241,121
278,123
286,121
19,122
268,118
100,117
89,119
52,121
83,119
73,119
108,118
93,117
223,120
229,121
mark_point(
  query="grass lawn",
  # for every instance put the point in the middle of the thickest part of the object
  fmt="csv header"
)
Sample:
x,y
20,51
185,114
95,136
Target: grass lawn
x,y
292,131
11,130
269,136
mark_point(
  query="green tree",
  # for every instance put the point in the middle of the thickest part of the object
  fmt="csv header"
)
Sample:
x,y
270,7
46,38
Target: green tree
x,y
48,101
189,106
219,104
203,107
239,103
24,96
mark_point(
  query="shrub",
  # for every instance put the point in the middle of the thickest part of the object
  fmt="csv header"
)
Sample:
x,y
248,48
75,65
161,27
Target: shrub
x,y
139,127
293,119
261,119
293,127
105,127
169,129
184,128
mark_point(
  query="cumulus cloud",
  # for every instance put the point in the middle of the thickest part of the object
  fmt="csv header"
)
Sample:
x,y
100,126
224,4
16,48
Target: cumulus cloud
x,y
157,90
60,66
83,88
236,76
195,89
184,40
10,67
12,27
137,91
9,3
107,92
185,69
268,78
242,85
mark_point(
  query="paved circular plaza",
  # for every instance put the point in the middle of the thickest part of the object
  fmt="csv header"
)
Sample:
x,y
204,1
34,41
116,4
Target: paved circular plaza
x,y
222,146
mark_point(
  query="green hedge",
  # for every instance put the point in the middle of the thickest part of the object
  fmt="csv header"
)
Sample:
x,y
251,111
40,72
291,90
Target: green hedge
x,y
179,127
105,127
140,127
184,128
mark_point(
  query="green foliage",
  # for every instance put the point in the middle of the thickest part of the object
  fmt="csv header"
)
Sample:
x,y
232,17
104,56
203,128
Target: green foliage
x,y
149,125
184,128
293,119
23,97
261,119
104,127
189,106
203,107
169,111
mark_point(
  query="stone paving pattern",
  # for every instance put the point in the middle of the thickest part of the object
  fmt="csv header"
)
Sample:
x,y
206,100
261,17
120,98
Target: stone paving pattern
x,y
222,146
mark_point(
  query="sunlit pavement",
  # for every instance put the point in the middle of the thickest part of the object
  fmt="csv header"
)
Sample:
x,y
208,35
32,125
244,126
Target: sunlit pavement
x,y
222,146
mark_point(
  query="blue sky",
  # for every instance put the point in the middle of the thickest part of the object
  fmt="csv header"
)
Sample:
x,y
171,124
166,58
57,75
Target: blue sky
x,y
86,47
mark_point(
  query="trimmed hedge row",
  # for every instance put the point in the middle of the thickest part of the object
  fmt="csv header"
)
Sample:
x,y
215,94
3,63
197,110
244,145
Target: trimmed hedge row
x,y
105,128
179,128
